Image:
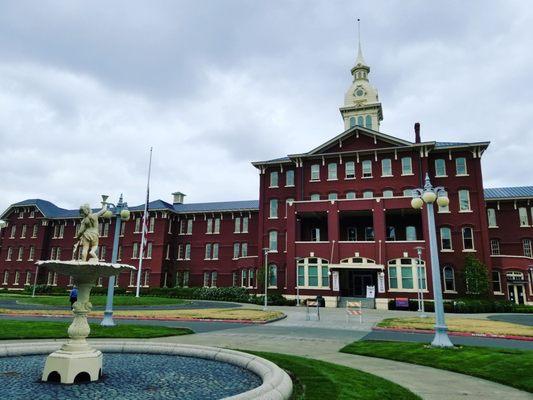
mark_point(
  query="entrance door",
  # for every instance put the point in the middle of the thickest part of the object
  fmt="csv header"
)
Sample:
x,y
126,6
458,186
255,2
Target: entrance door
x,y
360,282
516,293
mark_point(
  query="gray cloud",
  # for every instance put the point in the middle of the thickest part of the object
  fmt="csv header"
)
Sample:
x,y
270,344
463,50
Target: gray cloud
x,y
213,85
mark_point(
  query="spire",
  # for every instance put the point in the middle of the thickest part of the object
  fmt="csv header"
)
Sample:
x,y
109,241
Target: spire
x,y
360,60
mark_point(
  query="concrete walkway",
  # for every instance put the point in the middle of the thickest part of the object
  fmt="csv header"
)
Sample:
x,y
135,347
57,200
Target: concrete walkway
x,y
428,383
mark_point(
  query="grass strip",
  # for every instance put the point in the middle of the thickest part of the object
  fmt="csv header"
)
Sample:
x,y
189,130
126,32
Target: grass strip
x,y
455,324
510,367
320,380
15,329
100,300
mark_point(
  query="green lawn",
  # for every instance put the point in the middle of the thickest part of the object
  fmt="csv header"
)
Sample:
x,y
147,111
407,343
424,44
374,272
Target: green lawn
x,y
17,329
98,300
507,366
313,379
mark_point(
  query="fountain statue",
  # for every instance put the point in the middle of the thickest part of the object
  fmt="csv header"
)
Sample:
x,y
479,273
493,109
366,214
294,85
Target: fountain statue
x,y
76,360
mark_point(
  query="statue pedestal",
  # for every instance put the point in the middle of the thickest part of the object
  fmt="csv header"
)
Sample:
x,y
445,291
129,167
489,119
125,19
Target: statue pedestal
x,y
77,361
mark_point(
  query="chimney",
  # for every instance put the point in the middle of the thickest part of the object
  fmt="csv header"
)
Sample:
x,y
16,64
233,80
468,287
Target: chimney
x,y
178,197
417,132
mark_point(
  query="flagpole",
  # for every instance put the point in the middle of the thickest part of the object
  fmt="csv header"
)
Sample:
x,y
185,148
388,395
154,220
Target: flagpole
x,y
144,224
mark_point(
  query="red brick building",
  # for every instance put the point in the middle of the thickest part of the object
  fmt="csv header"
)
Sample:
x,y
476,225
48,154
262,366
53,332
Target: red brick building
x,y
337,222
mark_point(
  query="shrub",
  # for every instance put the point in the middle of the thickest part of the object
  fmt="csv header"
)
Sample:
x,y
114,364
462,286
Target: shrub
x,y
469,305
273,299
476,277
47,290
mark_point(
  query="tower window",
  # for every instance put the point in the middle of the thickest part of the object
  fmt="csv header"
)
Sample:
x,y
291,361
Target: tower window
x,y
352,122
360,120
368,122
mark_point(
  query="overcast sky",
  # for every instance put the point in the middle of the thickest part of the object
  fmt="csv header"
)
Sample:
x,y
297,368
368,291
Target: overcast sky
x,y
87,87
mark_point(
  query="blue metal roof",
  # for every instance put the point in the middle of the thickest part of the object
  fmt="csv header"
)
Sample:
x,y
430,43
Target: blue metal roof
x,y
50,210
509,192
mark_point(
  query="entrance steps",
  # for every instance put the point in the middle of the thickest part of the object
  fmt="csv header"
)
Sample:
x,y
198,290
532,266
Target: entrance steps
x,y
365,302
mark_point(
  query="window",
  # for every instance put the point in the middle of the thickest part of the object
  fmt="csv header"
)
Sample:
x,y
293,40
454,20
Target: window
x,y
238,224
23,232
244,250
491,216
332,171
244,224
35,230
236,250
189,227
32,253
123,228
408,192
169,228
367,169
208,251
102,253
468,238
135,253
17,278
440,167
446,208
391,233
146,282
410,233
149,250
54,279
215,251
289,178
332,196
494,247
526,243
522,214
274,179
58,253
368,121
315,172
13,231
273,241
182,227
217,226
405,274
20,254
132,278
106,229
407,166
138,225
386,167
312,275
244,278
188,251
272,275
119,253
315,234
6,278
460,166
496,283
180,252
350,195
464,200
234,279
445,238
449,279
32,214
206,279
9,253
349,170
251,278
209,226
214,277
185,278
273,208
53,253
369,234
315,197
28,278
388,193
352,122
368,194
360,120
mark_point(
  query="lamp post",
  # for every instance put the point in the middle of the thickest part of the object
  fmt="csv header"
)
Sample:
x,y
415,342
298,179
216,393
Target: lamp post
x,y
266,251
121,213
429,194
420,292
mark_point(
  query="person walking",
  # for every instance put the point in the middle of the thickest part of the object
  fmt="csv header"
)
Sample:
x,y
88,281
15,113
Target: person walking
x,y
73,296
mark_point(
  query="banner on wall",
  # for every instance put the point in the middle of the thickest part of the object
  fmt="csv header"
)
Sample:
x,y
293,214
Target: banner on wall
x,y
335,280
381,283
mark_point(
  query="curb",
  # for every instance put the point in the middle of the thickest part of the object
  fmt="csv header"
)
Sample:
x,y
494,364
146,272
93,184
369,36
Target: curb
x,y
453,333
132,318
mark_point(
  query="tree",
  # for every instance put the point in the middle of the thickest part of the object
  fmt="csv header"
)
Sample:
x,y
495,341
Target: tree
x,y
476,277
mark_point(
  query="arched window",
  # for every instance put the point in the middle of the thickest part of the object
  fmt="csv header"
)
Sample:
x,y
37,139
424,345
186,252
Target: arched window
x,y
273,240
352,122
272,275
313,272
368,122
448,278
360,120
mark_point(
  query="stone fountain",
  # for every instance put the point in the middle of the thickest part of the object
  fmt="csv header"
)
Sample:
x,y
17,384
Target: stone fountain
x,y
76,360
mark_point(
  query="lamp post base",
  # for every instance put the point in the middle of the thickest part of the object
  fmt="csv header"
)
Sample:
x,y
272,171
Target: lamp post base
x,y
108,319
441,338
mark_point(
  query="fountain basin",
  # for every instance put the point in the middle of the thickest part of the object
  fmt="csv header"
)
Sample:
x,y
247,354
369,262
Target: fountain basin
x,y
234,371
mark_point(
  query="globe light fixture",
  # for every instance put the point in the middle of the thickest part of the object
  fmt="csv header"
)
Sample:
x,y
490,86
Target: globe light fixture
x,y
428,194
125,215
108,214
3,224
